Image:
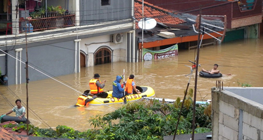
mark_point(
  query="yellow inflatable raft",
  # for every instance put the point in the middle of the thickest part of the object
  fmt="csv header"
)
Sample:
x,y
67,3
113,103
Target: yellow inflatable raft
x,y
85,99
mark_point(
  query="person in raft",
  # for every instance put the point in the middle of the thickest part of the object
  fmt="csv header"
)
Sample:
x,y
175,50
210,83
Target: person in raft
x,y
118,91
213,71
130,86
96,87
18,109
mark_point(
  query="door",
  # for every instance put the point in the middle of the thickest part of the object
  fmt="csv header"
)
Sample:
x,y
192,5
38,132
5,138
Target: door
x,y
82,60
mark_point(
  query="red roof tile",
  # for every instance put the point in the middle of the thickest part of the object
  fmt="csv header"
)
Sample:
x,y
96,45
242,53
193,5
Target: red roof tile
x,y
151,11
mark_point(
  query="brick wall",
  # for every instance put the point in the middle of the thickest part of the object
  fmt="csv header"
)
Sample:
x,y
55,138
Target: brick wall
x,y
236,117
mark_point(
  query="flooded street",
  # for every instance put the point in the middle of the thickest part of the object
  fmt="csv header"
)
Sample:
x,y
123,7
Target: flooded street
x,y
54,102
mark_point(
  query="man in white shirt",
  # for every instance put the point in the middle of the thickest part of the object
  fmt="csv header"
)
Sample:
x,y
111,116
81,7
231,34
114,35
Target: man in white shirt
x,y
18,109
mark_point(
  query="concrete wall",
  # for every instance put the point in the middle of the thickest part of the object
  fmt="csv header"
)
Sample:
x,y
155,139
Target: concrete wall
x,y
2,63
90,45
53,59
92,12
251,93
252,31
62,3
69,5
236,117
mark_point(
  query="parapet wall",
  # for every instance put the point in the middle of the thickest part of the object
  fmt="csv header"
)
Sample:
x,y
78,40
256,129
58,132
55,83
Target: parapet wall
x,y
236,117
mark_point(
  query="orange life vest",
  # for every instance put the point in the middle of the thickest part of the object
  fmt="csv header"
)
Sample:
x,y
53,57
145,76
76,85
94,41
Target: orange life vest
x,y
129,87
94,89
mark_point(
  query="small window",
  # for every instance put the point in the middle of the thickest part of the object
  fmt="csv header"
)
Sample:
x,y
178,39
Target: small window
x,y
245,5
105,2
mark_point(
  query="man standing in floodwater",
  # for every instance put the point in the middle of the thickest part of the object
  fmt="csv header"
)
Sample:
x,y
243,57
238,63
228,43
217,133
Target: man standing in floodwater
x,y
213,71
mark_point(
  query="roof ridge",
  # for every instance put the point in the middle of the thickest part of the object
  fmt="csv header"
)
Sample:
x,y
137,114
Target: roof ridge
x,y
159,14
155,6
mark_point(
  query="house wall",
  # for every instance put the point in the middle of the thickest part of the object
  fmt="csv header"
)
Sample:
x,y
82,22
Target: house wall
x,y
69,5
91,45
91,11
2,63
252,31
62,3
185,5
235,117
212,7
234,35
53,59
254,94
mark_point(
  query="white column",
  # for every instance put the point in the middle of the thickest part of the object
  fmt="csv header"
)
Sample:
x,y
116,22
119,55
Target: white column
x,y
75,68
77,18
130,47
15,17
18,51
16,67
20,81
77,55
132,13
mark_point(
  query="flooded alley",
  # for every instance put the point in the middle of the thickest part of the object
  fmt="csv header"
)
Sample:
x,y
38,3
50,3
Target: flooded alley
x,y
54,102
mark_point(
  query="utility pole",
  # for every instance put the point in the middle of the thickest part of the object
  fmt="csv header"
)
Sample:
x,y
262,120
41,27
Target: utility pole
x,y
27,79
142,28
196,73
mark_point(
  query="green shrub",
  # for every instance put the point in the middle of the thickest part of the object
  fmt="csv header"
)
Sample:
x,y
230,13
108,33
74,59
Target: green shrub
x,y
243,84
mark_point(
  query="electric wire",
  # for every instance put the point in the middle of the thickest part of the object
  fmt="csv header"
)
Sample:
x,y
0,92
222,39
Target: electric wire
x,y
42,72
72,49
7,100
49,76
34,113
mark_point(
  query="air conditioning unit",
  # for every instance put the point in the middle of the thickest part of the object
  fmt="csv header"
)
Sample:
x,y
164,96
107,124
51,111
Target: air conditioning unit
x,y
117,38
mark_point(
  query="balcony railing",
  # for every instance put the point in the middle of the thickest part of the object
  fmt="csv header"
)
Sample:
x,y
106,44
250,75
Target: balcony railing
x,y
47,23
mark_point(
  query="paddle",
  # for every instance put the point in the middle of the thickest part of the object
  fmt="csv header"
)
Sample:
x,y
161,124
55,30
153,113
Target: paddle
x,y
124,97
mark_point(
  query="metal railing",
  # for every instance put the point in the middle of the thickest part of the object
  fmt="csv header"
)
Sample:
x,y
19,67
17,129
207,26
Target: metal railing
x,y
47,23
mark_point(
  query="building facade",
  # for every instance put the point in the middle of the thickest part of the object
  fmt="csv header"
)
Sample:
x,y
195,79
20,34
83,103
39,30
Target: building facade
x,y
244,17
87,33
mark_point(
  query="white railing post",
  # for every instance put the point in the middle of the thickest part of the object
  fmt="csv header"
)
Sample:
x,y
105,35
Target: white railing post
x,y
77,18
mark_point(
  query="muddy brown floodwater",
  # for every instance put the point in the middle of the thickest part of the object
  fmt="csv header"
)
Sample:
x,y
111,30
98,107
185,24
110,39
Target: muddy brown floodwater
x,y
54,102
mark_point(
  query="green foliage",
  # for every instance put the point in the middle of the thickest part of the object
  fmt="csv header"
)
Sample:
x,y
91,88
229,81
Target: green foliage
x,y
57,9
151,120
147,120
54,10
243,84
19,127
0,71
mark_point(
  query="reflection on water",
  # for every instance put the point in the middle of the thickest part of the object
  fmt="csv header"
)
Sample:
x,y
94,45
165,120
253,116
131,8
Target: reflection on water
x,y
54,102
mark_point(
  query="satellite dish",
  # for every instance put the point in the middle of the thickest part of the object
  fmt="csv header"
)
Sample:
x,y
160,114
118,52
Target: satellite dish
x,y
148,23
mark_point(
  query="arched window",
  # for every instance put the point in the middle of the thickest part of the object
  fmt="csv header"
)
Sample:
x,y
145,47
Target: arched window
x,y
102,56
